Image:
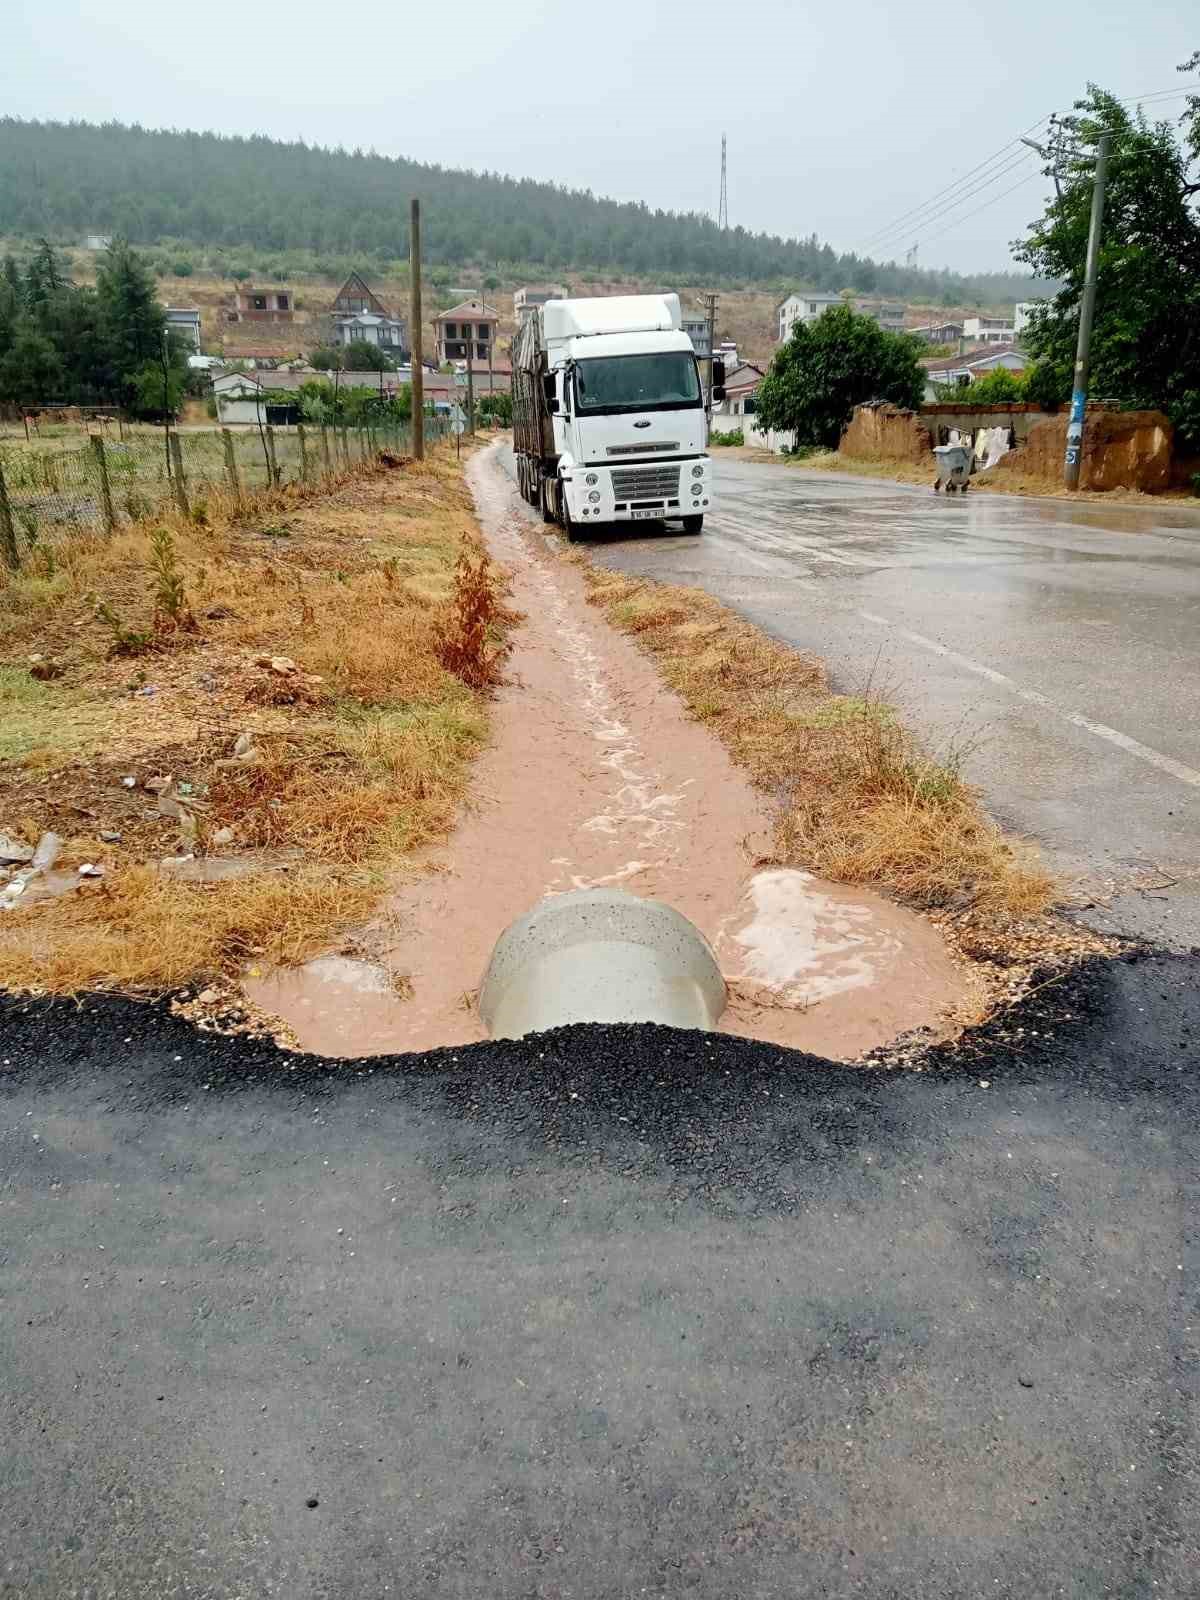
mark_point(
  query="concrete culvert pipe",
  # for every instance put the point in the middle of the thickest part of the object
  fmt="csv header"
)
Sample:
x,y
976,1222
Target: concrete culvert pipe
x,y
600,955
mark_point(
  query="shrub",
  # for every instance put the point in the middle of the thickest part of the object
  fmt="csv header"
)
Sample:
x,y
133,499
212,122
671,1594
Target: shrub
x,y
735,436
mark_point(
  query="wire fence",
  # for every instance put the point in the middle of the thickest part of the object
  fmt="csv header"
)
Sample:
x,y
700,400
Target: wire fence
x,y
99,486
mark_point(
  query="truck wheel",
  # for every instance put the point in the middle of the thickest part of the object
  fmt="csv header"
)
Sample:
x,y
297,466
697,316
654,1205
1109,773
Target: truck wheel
x,y
570,528
544,498
693,524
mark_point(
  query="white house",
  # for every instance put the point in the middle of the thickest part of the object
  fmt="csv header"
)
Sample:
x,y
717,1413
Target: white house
x,y
1022,314
989,330
959,372
741,384
388,334
803,308
695,325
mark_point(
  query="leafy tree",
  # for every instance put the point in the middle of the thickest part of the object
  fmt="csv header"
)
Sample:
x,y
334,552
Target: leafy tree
x,y
363,357
829,366
1146,334
147,389
135,326
326,358
996,388
30,371
498,406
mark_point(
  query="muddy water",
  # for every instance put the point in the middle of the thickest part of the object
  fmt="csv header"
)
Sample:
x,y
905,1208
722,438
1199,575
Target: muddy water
x,y
595,775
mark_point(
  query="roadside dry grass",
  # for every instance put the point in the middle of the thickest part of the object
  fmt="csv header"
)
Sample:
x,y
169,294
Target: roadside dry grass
x,y
300,714
860,801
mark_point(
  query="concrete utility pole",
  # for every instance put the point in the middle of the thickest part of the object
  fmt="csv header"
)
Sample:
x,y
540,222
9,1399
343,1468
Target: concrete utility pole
x,y
414,312
1087,309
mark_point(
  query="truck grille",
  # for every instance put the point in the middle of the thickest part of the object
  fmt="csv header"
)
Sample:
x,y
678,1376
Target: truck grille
x,y
645,483
642,449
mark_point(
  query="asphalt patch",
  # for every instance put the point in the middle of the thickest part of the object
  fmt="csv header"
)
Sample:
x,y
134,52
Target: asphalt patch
x,y
609,1311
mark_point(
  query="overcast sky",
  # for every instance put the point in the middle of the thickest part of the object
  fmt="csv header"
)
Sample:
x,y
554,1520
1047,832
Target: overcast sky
x,y
839,119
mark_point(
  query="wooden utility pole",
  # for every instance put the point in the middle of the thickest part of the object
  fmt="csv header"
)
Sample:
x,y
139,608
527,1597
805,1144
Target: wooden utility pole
x,y
414,312
1087,310
711,302
471,376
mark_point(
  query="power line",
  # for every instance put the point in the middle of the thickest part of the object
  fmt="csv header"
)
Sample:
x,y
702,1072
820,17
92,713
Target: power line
x,y
938,212
994,200
950,187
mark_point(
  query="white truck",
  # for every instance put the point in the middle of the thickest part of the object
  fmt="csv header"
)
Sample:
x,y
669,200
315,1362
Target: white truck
x,y
610,423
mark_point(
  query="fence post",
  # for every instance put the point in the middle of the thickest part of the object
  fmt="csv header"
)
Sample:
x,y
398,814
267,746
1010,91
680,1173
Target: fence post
x,y
346,445
106,503
271,457
8,533
181,499
231,471
325,448
300,434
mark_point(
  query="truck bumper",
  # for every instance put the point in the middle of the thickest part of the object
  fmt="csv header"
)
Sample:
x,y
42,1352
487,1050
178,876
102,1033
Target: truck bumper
x,y
611,494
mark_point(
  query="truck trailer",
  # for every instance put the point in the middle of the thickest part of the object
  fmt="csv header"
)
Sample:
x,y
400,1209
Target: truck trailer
x,y
610,419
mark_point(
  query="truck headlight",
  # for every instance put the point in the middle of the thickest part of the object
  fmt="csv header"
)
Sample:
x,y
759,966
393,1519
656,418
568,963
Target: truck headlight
x,y
594,497
590,479
697,472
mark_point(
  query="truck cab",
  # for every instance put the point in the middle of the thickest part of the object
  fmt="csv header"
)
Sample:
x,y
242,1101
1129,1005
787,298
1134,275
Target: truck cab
x,y
624,434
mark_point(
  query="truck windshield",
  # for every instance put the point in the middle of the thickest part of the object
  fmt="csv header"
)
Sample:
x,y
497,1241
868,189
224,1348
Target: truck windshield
x,y
608,384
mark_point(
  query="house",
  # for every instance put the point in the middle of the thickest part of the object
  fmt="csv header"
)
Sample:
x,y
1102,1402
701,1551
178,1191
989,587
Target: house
x,y
389,334
741,385
184,321
261,305
360,316
96,241
467,329
886,313
272,397
356,296
802,308
958,372
696,328
1023,314
940,332
989,330
524,300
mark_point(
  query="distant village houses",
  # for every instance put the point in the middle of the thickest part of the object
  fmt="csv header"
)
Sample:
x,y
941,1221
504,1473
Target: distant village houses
x,y
184,321
360,317
252,304
467,329
525,300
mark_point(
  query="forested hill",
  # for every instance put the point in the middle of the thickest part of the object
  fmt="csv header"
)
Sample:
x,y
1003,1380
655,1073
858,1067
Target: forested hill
x,y
60,180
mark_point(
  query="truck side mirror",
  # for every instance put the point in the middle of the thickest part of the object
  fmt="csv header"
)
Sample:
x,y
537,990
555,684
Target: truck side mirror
x,y
718,377
718,393
548,393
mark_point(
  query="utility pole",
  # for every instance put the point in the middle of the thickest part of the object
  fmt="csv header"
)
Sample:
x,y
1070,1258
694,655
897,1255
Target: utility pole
x,y
711,302
165,355
1087,309
414,312
723,206
471,376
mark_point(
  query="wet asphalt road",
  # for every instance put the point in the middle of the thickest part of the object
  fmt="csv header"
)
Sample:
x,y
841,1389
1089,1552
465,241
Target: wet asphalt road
x,y
609,1313
1060,639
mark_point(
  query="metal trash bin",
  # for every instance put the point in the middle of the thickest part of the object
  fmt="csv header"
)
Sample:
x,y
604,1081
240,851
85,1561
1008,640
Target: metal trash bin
x,y
953,467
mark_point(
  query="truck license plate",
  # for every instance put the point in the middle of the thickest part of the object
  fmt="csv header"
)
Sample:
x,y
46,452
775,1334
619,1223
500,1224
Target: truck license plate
x,y
646,516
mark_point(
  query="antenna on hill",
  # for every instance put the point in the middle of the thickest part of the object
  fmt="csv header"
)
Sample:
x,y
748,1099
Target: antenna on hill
x,y
910,259
723,209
